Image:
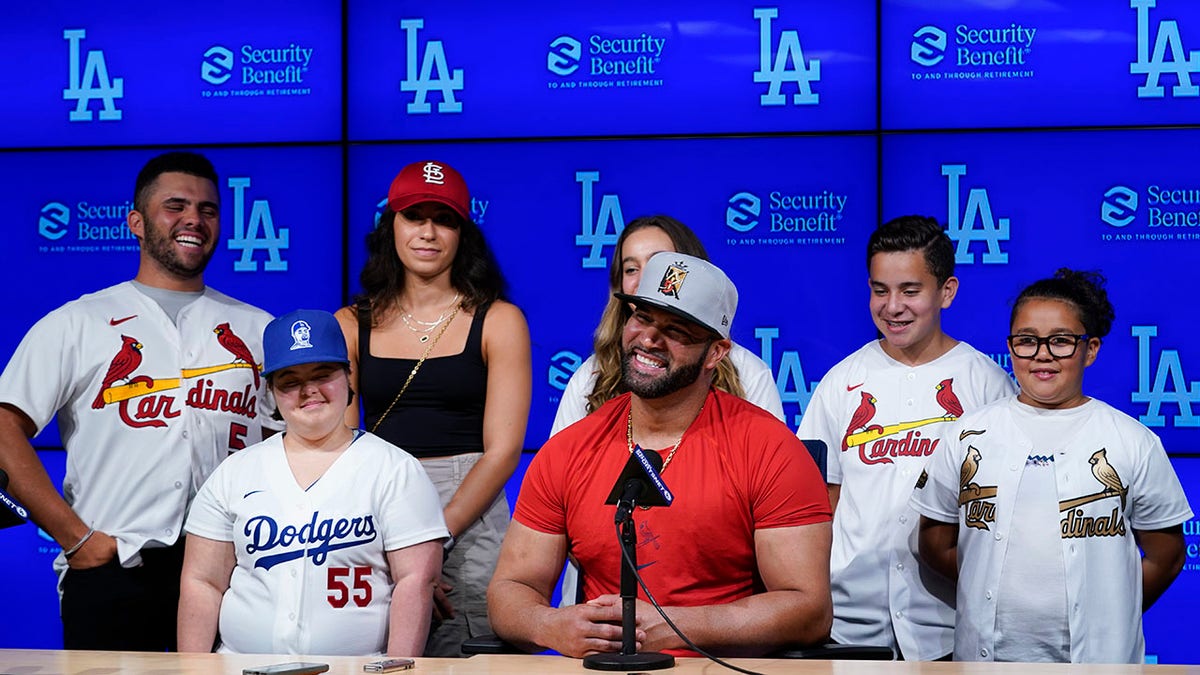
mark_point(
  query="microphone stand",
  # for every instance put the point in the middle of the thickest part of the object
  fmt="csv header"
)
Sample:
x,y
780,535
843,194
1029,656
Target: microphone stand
x,y
629,659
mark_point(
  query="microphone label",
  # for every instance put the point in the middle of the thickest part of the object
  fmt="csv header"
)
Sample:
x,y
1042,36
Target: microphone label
x,y
652,473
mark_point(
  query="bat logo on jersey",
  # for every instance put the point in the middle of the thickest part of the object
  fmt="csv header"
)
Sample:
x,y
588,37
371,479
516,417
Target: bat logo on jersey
x,y
672,280
1077,525
141,402
315,539
975,498
874,442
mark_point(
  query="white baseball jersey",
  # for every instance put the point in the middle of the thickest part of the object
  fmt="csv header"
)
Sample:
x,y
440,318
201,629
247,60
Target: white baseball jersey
x,y
882,420
755,375
1112,477
146,407
312,574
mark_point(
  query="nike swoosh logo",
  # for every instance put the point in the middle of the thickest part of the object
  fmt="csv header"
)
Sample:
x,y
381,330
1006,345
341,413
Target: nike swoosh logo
x,y
645,565
118,322
252,492
849,388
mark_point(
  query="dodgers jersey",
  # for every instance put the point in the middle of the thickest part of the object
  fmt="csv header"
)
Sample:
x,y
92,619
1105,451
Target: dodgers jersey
x,y
882,421
146,407
311,575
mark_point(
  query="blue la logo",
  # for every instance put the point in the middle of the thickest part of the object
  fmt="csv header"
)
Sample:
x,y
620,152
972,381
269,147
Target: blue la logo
x,y
434,59
790,64
928,46
978,210
94,82
1181,393
1119,206
743,211
789,376
563,57
54,221
1182,65
261,233
217,65
597,233
562,366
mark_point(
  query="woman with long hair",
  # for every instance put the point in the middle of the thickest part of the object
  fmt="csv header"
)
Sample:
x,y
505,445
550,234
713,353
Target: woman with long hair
x,y
441,362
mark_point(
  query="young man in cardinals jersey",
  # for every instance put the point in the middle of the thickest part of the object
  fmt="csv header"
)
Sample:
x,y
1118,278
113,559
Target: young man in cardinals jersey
x,y
883,411
154,382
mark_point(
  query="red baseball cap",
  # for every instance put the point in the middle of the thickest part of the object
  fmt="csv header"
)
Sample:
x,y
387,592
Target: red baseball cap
x,y
430,182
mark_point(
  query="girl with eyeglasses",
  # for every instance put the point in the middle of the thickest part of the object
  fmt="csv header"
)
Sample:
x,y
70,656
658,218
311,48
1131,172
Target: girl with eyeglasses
x,y
1041,506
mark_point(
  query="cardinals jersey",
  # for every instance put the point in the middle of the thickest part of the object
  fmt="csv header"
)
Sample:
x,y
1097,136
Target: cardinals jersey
x,y
146,408
882,421
755,375
1111,477
311,573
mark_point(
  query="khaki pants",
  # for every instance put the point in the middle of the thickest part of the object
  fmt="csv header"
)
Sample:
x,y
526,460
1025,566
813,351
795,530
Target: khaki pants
x,y
471,563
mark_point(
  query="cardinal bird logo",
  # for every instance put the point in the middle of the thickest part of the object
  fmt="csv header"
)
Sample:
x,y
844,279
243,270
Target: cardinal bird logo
x,y
235,346
127,360
947,399
862,415
1107,475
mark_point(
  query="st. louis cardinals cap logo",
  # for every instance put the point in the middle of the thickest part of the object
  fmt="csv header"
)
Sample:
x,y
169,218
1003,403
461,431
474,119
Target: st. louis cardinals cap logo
x,y
672,280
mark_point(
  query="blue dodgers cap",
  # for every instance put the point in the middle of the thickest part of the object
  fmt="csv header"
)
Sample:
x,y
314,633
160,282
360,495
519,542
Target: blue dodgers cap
x,y
688,287
303,336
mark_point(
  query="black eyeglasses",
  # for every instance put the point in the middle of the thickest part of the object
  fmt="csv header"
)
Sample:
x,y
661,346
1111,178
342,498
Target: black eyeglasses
x,y
1060,346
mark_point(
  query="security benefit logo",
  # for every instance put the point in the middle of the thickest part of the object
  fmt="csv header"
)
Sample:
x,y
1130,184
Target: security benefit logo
x,y
89,81
972,52
85,226
255,232
253,69
787,216
1161,52
1162,386
601,223
781,61
605,60
1156,212
426,71
973,221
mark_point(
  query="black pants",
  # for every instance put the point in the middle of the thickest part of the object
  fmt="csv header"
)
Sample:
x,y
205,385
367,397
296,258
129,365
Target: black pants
x,y
127,609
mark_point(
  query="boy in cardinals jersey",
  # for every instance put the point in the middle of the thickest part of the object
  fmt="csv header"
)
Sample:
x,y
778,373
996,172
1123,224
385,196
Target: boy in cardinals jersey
x,y
884,411
154,382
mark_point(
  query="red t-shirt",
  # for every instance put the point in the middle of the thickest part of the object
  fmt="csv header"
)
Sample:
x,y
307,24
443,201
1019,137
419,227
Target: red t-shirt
x,y
738,469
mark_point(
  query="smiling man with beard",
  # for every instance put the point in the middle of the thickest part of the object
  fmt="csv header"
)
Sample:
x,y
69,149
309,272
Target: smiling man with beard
x,y
739,561
117,367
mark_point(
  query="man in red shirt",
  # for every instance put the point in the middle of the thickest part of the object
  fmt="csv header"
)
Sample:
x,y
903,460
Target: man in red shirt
x,y
740,560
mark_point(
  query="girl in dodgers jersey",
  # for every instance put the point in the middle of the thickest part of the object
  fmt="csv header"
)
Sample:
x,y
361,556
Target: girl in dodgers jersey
x,y
1041,503
320,540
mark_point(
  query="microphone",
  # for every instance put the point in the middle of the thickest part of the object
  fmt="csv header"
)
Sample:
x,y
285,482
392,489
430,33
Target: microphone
x,y
639,484
11,513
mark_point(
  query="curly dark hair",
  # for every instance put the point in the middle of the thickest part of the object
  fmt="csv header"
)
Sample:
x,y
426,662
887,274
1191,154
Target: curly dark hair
x,y
474,272
1083,290
915,233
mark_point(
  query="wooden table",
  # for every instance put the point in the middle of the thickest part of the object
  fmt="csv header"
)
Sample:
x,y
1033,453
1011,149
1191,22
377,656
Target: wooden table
x,y
34,662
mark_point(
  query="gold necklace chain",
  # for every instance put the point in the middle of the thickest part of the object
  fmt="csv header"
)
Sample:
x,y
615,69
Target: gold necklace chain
x,y
629,441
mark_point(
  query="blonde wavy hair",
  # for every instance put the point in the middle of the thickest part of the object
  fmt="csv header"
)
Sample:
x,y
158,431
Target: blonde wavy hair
x,y
607,340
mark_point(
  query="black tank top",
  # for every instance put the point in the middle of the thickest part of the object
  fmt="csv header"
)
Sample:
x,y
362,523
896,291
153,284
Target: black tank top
x,y
441,413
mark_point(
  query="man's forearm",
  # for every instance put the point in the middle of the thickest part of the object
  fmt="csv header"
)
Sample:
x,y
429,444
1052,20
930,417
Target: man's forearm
x,y
751,626
515,610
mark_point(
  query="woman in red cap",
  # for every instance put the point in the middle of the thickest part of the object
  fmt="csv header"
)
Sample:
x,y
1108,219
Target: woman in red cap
x,y
442,364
